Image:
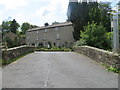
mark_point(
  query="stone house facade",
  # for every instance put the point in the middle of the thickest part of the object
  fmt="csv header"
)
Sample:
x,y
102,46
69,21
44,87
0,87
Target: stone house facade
x,y
60,35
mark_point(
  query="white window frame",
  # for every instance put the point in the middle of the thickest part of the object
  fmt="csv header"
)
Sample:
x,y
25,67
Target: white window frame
x,y
58,37
37,38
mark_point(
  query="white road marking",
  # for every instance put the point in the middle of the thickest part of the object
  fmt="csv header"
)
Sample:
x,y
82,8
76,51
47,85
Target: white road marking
x,y
48,74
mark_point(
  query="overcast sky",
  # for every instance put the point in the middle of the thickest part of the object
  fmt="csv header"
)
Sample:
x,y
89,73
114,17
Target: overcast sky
x,y
36,12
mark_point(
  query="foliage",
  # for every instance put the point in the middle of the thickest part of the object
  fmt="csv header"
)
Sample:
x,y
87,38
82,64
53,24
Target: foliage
x,y
41,45
113,69
11,43
109,36
10,26
14,26
5,26
33,26
79,43
80,13
95,35
24,27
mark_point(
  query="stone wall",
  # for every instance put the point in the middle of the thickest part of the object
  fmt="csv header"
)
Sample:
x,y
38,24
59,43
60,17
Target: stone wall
x,y
99,55
11,53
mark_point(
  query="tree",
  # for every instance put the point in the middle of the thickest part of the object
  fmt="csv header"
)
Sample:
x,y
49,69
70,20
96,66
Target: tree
x,y
5,26
14,26
24,27
95,35
81,13
33,26
78,14
105,9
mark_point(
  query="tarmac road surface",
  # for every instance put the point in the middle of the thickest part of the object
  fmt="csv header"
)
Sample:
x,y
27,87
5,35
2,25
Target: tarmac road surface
x,y
57,70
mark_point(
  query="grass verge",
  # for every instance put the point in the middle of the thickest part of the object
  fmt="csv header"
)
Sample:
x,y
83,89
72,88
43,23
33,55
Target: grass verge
x,y
111,68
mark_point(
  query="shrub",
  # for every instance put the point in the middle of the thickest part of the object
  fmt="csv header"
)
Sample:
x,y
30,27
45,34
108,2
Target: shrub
x,y
95,35
109,40
79,43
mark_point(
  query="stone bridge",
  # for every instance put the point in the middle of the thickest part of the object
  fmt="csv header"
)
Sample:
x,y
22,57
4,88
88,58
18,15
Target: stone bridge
x,y
57,70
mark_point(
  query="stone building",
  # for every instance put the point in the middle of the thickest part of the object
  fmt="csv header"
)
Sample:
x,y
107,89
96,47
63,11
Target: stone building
x,y
60,35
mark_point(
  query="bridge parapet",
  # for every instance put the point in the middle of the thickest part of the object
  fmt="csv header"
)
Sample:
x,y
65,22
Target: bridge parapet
x,y
8,54
101,56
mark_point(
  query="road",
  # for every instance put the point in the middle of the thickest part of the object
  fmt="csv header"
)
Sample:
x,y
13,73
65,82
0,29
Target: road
x,y
57,70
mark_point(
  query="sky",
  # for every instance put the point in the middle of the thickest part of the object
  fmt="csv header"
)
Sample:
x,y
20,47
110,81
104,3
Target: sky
x,y
36,12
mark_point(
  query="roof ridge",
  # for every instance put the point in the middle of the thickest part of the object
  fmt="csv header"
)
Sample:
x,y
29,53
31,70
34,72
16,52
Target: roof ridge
x,y
51,26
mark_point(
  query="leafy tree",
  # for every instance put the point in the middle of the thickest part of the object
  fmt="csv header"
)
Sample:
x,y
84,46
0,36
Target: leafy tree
x,y
109,36
5,27
95,35
14,26
12,43
80,13
25,26
105,10
33,26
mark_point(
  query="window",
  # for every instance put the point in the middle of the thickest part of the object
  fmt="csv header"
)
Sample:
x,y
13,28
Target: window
x,y
37,38
58,37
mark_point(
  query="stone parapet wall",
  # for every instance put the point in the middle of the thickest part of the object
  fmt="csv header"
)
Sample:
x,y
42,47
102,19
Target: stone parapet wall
x,y
8,54
99,55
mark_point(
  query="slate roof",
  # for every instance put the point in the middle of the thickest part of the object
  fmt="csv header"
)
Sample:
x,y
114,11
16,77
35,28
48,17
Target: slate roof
x,y
51,26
